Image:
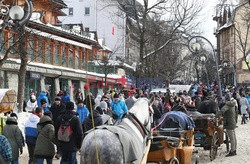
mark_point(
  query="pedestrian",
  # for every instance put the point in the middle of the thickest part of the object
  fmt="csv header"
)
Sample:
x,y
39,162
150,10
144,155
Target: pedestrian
x,y
44,148
88,122
98,100
14,135
42,96
78,96
118,107
70,143
82,111
229,122
65,97
106,118
44,106
31,132
5,151
243,108
89,102
130,101
57,108
31,104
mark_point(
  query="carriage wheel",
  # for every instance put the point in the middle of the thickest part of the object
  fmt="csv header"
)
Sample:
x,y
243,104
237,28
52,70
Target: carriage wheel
x,y
226,141
173,160
214,146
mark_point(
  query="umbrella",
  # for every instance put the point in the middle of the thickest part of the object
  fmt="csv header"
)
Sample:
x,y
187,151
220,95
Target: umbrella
x,y
7,100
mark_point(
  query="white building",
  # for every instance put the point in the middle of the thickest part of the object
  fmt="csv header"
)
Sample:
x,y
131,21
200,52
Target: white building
x,y
101,16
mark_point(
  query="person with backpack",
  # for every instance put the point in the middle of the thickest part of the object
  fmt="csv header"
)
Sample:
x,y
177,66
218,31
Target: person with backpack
x,y
44,148
69,134
31,132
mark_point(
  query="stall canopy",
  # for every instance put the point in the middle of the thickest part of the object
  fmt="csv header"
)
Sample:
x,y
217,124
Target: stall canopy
x,y
7,100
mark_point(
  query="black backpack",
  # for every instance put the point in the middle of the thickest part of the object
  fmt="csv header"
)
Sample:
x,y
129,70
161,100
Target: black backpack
x,y
65,131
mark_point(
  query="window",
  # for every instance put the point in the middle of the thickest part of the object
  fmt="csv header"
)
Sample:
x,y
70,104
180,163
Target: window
x,y
48,53
83,59
87,10
64,56
31,50
71,58
77,60
57,55
86,29
2,44
71,11
40,52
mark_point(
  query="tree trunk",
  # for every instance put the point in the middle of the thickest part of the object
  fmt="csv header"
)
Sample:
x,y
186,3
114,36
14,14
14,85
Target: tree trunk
x,y
22,71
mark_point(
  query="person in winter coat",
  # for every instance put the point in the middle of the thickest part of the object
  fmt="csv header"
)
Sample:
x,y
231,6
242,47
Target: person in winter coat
x,y
31,104
87,124
42,96
98,100
208,106
44,106
44,148
82,111
5,151
70,148
78,96
243,108
130,101
106,118
229,123
31,132
118,107
57,108
65,97
89,102
14,135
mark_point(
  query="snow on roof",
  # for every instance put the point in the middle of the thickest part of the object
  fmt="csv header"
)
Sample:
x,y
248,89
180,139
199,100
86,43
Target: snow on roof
x,y
49,66
225,26
58,38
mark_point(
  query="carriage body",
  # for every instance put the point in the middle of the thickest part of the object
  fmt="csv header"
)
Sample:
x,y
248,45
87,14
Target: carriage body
x,y
172,145
209,133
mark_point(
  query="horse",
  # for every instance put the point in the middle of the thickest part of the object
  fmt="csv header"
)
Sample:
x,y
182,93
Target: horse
x,y
122,143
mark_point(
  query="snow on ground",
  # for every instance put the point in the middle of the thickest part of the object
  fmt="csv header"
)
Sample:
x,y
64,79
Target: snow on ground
x,y
242,157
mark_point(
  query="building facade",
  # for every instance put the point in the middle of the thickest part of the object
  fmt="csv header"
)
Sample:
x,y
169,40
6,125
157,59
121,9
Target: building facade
x,y
233,42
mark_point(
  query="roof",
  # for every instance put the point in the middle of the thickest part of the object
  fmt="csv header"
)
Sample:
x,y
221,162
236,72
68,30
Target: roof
x,y
61,2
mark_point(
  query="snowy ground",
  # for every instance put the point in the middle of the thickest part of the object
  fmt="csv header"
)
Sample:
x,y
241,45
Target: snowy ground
x,y
242,157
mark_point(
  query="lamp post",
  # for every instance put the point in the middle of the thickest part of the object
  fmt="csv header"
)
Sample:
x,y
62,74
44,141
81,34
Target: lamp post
x,y
229,64
214,56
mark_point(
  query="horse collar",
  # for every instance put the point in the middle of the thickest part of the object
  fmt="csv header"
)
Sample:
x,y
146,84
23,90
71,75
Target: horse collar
x,y
138,124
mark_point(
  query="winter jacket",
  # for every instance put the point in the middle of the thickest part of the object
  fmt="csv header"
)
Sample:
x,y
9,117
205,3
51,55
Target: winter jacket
x,y
129,102
208,107
77,135
243,105
5,150
42,96
228,113
46,137
88,101
65,98
119,108
82,113
87,124
31,106
56,110
31,129
14,135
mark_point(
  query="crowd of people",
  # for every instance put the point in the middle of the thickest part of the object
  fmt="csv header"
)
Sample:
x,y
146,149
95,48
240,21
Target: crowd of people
x,y
63,123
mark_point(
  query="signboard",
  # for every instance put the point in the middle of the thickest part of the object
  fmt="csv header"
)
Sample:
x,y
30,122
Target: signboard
x,y
35,75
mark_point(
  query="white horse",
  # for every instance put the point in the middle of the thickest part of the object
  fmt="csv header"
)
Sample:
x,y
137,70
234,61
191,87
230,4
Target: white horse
x,y
124,143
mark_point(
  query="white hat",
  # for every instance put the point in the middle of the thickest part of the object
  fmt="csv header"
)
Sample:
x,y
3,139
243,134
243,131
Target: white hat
x,y
103,105
33,97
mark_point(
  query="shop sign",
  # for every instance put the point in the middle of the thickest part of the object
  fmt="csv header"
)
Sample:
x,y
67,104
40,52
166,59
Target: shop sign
x,y
35,75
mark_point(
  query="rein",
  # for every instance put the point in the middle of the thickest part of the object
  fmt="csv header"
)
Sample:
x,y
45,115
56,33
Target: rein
x,y
143,130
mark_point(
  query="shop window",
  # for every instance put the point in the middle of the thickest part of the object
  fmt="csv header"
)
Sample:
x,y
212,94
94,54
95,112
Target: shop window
x,y
64,56
48,53
57,55
40,52
71,58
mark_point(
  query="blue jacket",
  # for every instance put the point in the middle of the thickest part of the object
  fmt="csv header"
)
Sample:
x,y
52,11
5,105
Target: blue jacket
x,y
83,112
44,97
31,129
65,99
119,108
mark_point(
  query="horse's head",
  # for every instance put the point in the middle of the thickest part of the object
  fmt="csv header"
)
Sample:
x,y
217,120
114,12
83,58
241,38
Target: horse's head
x,y
143,111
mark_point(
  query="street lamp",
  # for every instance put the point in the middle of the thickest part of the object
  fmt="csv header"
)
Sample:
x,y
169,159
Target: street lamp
x,y
229,64
214,56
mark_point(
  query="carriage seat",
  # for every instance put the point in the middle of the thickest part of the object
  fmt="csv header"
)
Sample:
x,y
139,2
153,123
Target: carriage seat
x,y
173,132
160,142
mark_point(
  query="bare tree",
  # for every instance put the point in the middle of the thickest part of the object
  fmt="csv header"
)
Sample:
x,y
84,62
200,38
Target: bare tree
x,y
242,27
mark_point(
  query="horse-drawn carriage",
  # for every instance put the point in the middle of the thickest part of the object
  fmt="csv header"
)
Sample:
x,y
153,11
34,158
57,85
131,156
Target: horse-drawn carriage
x,y
170,144
209,133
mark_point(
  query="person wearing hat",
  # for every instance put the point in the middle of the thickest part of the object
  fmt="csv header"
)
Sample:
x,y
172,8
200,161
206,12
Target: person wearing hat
x,y
44,105
106,118
82,111
69,149
118,107
14,135
31,104
229,122
57,108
